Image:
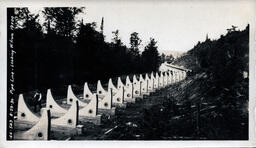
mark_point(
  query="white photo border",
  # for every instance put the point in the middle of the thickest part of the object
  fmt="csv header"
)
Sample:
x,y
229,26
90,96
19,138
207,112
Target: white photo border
x,y
114,143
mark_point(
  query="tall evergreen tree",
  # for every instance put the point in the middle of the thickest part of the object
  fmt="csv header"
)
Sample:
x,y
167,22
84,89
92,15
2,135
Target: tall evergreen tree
x,y
63,19
150,56
135,42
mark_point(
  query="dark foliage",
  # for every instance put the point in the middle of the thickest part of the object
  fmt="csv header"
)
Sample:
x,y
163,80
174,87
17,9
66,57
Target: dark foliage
x,y
150,56
64,51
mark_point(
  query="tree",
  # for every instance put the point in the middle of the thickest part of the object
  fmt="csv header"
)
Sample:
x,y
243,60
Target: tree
x,y
90,49
69,51
61,31
19,17
233,28
135,42
116,39
63,19
150,56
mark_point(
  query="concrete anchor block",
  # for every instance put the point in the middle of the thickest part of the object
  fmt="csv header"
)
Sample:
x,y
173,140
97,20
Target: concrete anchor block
x,y
90,112
100,90
56,110
39,131
87,94
165,80
128,81
144,85
156,81
69,119
128,93
161,80
119,83
72,98
136,88
65,124
150,87
105,102
91,109
118,97
111,86
24,112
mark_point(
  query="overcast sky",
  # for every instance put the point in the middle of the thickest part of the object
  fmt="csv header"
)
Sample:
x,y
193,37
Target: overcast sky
x,y
175,25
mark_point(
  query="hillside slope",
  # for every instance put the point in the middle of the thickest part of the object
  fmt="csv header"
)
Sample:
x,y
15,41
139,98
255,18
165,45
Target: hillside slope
x,y
220,79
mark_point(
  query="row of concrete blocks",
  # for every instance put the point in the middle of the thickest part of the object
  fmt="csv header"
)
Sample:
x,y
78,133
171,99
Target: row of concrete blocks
x,y
69,118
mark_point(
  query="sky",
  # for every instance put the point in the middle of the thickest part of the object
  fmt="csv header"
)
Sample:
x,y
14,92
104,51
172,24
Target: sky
x,y
174,25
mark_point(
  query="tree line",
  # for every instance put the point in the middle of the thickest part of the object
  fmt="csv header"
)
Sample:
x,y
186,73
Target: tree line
x,y
63,50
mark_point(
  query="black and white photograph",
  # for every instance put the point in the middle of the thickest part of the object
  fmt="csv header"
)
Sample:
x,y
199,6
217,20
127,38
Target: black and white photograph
x,y
157,71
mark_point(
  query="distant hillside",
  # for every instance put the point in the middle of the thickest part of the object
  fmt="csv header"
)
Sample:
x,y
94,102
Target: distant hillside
x,y
174,53
220,81
229,53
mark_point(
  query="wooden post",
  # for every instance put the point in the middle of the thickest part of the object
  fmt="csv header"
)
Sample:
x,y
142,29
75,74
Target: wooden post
x,y
153,84
123,94
97,99
132,89
140,88
111,94
147,86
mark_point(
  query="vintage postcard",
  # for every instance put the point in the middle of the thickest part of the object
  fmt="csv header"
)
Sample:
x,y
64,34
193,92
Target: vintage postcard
x,y
128,73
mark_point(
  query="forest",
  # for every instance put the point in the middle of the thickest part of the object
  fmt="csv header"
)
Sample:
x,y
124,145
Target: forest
x,y
64,50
